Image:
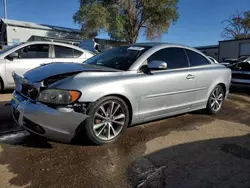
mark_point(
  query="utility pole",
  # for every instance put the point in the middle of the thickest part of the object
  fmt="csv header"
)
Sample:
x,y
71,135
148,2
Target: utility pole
x,y
5,9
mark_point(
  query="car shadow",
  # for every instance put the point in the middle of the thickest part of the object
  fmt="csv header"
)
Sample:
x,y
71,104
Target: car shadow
x,y
8,91
222,162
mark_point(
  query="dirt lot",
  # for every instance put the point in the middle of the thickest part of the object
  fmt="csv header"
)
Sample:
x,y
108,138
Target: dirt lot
x,y
191,150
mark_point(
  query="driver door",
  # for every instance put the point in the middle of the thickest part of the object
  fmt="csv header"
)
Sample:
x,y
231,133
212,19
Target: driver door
x,y
170,91
29,57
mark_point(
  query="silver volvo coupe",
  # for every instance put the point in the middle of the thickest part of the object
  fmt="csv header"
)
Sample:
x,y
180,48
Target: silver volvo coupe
x,y
120,87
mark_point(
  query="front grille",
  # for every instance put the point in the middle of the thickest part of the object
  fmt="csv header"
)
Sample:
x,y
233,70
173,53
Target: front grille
x,y
29,91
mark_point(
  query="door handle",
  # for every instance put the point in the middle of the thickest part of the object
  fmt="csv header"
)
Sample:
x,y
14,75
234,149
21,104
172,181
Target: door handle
x,y
190,77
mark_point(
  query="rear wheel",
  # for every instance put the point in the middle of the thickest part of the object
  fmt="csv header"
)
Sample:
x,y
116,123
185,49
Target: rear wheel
x,y
215,100
1,85
108,118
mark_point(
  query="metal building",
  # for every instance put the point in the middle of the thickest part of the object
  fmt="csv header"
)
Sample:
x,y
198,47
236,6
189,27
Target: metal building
x,y
13,32
234,49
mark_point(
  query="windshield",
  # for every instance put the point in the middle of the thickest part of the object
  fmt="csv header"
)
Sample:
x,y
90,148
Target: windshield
x,y
8,48
118,58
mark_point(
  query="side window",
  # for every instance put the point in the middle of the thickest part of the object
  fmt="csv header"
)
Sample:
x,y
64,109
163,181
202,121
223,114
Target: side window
x,y
63,52
77,53
174,57
196,59
34,51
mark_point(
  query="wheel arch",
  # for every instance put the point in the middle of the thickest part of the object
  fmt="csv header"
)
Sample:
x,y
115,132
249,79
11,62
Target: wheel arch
x,y
223,87
220,82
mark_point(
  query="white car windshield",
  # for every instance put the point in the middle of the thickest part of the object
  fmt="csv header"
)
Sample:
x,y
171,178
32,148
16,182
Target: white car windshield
x,y
118,58
8,48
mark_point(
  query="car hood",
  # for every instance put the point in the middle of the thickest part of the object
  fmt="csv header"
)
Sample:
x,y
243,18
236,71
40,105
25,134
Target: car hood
x,y
53,69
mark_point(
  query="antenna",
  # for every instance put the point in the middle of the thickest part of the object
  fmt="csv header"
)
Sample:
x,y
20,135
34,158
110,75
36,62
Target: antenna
x,y
5,9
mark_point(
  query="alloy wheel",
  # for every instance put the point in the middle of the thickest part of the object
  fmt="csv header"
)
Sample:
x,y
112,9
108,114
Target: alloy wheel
x,y
109,120
216,99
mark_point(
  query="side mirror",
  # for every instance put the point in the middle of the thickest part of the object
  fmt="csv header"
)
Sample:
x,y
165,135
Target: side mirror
x,y
13,55
157,65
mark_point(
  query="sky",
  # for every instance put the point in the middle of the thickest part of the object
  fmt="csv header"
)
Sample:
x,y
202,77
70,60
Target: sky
x,y
199,24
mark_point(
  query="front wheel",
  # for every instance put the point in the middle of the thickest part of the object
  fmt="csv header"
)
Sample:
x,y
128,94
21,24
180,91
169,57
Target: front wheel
x,y
108,118
215,100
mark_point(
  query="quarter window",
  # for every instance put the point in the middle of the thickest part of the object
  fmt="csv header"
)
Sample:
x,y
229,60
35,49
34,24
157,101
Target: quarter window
x,y
34,51
174,57
63,52
77,53
196,59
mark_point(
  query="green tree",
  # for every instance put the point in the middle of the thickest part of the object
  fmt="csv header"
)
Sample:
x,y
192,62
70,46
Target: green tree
x,y
237,26
125,19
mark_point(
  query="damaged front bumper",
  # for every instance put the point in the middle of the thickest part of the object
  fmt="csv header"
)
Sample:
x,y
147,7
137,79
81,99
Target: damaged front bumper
x,y
54,123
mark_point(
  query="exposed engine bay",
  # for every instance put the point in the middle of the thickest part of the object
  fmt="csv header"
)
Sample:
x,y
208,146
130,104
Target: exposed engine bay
x,y
50,80
33,91
39,85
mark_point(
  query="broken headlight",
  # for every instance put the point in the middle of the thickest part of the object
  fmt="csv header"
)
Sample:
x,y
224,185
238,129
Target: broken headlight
x,y
57,96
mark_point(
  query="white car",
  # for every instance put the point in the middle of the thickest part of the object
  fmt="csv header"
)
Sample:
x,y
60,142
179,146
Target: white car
x,y
23,57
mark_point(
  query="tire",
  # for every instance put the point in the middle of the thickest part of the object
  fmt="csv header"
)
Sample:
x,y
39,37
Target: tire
x,y
112,127
1,85
211,104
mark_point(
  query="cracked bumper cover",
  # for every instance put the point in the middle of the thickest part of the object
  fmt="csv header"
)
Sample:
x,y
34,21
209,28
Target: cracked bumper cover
x,y
58,124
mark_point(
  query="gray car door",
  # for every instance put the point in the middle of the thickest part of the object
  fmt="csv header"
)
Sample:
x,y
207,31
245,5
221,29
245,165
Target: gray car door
x,y
204,78
169,91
